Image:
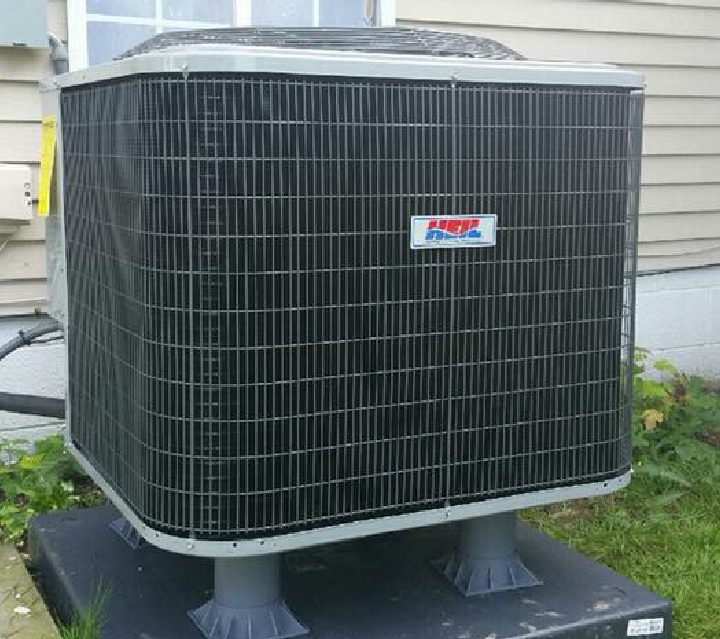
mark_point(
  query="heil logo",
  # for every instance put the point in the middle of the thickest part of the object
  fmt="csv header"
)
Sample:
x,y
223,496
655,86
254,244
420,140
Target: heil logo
x,y
448,231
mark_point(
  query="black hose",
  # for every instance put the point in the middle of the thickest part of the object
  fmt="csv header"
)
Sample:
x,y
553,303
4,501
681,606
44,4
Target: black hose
x,y
32,405
24,338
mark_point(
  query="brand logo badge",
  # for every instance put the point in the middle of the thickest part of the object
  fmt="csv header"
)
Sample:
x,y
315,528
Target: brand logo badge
x,y
452,231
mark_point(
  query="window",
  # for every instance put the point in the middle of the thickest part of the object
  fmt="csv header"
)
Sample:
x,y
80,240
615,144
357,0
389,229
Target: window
x,y
101,29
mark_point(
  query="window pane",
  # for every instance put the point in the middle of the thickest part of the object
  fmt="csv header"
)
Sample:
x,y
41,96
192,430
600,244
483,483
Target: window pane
x,y
282,13
130,8
215,11
108,39
349,13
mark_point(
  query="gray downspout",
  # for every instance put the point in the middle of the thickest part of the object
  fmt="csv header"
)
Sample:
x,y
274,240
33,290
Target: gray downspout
x,y
58,54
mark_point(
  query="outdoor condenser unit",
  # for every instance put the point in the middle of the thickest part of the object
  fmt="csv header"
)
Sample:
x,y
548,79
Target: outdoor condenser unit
x,y
329,283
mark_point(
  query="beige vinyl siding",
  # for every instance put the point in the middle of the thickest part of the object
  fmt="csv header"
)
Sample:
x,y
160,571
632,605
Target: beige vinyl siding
x,y
22,250
18,102
675,44
19,141
668,110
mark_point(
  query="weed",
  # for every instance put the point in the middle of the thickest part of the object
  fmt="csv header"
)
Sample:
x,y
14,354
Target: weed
x,y
35,480
676,417
88,623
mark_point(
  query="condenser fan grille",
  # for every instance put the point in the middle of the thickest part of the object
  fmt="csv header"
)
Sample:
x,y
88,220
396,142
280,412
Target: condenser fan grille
x,y
396,40
254,346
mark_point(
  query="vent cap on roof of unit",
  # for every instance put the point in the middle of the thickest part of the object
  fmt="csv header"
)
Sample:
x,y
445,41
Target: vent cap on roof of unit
x,y
376,40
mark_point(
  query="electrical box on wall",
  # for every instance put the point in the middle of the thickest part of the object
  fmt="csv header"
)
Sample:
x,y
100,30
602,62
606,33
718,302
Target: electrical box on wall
x,y
15,197
23,23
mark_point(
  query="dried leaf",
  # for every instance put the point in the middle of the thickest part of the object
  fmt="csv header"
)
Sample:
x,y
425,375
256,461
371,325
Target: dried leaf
x,y
651,418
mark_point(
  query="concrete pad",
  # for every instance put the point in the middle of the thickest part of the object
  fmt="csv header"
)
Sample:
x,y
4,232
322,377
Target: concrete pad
x,y
381,587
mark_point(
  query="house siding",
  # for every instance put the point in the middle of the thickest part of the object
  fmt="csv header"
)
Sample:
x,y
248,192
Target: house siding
x,y
676,45
22,255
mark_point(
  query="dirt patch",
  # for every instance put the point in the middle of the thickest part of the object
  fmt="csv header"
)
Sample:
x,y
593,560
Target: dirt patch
x,y
710,436
566,514
713,386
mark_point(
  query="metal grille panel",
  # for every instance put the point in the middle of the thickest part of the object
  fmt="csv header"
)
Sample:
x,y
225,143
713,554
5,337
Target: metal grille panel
x,y
254,347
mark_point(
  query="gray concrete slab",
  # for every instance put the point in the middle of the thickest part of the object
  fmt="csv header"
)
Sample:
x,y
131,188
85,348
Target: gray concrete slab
x,y
375,588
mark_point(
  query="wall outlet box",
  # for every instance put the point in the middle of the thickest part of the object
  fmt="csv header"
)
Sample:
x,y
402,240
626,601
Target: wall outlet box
x,y
15,195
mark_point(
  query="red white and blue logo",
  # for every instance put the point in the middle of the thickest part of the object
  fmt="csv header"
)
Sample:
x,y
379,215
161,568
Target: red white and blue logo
x,y
446,231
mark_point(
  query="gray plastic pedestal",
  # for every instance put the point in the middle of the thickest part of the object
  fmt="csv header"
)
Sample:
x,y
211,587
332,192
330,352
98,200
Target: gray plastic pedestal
x,y
246,603
485,559
127,532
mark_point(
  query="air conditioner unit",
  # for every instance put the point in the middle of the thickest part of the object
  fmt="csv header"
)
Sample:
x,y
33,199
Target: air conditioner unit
x,y
329,283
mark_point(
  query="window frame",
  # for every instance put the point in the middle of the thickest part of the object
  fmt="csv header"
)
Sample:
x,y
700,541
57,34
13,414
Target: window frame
x,y
78,17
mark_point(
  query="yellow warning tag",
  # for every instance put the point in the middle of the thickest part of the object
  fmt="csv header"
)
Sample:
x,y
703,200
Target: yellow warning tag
x,y
47,161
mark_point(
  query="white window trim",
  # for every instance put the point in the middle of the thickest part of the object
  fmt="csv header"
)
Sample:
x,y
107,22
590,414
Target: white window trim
x,y
78,16
387,13
77,34
243,13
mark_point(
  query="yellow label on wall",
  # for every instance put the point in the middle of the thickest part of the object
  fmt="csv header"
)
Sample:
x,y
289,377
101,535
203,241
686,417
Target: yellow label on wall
x,y
47,161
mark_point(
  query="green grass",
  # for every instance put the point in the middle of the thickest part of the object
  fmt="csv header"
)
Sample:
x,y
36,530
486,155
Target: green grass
x,y
88,623
663,532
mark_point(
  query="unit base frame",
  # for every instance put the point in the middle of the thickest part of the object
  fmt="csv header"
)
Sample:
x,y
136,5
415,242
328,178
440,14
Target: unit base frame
x,y
346,531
